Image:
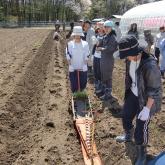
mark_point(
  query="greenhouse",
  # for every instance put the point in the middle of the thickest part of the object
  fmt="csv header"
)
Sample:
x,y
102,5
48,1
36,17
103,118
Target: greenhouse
x,y
148,17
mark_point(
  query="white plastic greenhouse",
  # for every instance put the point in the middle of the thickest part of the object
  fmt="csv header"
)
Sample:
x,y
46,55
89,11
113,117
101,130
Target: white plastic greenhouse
x,y
148,17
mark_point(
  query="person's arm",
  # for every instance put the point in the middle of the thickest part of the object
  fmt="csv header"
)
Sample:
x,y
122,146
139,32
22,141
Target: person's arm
x,y
145,112
91,43
94,49
68,55
111,46
87,51
152,80
86,55
149,103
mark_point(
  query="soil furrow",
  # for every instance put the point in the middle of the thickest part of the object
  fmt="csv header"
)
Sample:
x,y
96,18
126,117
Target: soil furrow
x,y
21,113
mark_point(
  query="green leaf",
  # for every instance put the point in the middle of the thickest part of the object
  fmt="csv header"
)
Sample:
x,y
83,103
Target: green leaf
x,y
80,95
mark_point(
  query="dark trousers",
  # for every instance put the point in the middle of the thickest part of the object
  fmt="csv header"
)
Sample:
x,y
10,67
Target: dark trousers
x,y
96,68
108,84
107,66
157,54
130,110
74,80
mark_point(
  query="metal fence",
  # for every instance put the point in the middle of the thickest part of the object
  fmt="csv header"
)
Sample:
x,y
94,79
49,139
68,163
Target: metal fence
x,y
10,24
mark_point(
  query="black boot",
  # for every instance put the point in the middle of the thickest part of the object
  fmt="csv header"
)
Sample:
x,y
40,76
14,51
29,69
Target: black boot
x,y
96,84
107,95
162,74
141,155
90,71
127,137
101,89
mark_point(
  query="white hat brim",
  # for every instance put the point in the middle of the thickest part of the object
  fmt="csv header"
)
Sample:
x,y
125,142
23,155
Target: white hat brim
x,y
77,34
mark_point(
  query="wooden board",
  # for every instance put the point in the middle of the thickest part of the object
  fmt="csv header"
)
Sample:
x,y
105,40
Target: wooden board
x,y
88,160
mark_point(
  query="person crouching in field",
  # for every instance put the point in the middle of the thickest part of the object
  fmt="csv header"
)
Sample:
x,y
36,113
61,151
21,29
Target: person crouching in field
x,y
143,94
77,52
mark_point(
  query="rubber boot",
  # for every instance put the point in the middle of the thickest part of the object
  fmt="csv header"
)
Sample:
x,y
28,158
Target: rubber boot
x,y
127,137
141,155
90,71
100,89
96,84
107,95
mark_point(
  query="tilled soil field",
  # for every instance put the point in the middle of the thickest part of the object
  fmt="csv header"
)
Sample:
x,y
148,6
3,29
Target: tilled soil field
x,y
36,127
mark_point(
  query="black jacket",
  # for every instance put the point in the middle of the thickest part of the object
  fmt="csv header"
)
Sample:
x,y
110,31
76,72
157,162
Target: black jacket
x,y
148,82
109,44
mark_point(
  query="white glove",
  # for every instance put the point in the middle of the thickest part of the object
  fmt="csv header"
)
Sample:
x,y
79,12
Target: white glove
x,y
116,55
144,114
84,68
71,69
94,40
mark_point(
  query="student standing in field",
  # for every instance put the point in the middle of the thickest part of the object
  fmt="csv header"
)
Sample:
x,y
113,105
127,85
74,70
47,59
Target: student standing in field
x,y
118,31
77,52
143,94
107,46
158,39
133,31
97,57
150,41
71,30
162,52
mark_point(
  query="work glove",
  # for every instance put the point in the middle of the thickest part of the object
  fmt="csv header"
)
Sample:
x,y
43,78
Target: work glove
x,y
94,40
84,68
116,55
71,69
144,114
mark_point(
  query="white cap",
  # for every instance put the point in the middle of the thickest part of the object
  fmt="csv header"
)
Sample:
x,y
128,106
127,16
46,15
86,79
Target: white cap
x,y
77,30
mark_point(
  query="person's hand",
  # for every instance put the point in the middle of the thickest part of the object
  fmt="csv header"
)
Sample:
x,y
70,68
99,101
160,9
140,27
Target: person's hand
x,y
144,114
71,69
84,68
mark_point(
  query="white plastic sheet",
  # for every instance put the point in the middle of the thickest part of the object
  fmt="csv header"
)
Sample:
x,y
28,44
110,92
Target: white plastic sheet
x,y
148,16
